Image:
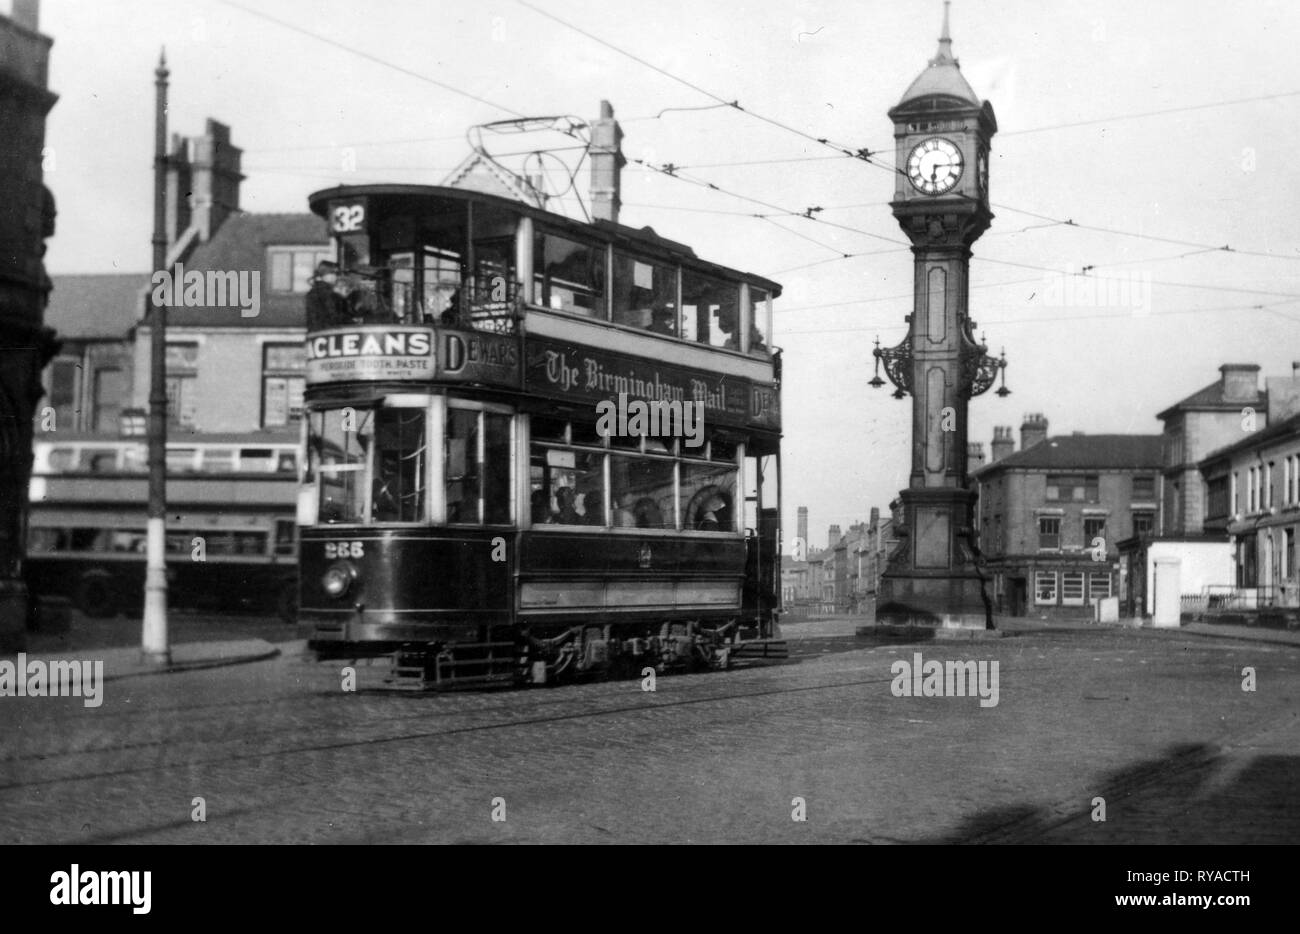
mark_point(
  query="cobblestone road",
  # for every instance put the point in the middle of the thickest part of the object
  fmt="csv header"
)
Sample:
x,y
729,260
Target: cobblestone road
x,y
1157,724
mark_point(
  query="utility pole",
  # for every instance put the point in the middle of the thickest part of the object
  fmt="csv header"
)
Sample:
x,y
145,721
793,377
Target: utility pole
x,y
154,644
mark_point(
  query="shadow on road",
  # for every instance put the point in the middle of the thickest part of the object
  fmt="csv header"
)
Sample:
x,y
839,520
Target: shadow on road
x,y
1191,795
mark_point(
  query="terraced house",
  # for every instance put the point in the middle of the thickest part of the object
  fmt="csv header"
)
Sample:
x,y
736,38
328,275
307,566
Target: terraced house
x,y
1049,516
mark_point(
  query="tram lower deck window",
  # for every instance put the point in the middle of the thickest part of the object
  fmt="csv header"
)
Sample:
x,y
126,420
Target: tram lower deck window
x,y
370,464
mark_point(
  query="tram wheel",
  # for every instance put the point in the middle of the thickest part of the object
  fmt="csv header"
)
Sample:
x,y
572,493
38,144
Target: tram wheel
x,y
286,604
95,597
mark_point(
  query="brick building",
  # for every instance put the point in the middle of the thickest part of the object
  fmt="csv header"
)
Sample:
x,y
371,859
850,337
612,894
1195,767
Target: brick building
x,y
1050,515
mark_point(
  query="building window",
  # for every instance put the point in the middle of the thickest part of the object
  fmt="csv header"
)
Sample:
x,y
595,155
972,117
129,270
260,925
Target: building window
x,y
292,267
63,392
182,364
1236,493
283,381
1045,588
1093,527
1266,497
1098,585
1072,588
1049,532
1216,499
1252,490
109,392
1288,554
1144,523
1144,489
1078,488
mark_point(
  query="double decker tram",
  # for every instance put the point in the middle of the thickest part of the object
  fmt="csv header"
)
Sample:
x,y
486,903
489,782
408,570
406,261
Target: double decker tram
x,y
537,448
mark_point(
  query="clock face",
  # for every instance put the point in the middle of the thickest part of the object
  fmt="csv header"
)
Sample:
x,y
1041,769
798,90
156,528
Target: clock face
x,y
934,166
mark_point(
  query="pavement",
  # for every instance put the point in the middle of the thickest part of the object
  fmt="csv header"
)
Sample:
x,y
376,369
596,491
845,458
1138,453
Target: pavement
x,y
191,656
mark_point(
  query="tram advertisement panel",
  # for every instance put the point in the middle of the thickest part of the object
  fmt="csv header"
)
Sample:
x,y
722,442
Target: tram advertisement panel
x,y
377,352
577,372
387,352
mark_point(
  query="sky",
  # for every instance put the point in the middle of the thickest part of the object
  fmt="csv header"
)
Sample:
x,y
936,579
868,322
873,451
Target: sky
x,y
1135,141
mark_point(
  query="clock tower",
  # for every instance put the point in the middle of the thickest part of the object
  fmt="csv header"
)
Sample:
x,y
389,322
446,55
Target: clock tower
x,y
942,133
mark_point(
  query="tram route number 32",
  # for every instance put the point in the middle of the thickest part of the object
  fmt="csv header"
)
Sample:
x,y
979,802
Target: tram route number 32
x,y
347,218
344,549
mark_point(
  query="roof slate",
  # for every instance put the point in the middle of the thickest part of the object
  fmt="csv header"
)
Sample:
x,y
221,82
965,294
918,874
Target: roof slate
x,y
1085,452
96,307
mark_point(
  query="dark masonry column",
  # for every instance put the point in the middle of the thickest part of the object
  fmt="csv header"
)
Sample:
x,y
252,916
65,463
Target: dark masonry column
x,y
26,345
942,133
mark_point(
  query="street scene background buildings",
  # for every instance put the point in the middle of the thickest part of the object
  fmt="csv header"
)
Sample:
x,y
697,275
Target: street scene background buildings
x,y
1104,294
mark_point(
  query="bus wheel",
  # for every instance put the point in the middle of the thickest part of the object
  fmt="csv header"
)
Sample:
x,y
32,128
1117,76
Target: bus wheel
x,y
287,603
94,596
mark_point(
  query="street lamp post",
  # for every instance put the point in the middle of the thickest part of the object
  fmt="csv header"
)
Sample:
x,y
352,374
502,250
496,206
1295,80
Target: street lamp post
x,y
154,644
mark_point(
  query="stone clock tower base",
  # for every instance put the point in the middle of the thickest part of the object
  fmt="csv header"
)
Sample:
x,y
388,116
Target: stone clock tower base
x,y
932,579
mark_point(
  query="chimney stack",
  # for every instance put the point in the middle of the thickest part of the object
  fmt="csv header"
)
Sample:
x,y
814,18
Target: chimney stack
x,y
803,525
1033,430
834,536
1283,395
974,456
1240,382
1003,445
606,165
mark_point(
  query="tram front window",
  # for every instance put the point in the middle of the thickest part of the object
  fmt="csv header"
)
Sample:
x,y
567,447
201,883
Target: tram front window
x,y
369,464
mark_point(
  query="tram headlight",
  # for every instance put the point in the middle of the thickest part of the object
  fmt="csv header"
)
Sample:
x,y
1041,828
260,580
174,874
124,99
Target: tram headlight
x,y
338,578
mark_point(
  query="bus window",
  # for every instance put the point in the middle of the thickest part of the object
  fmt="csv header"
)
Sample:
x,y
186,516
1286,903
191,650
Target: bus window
x,y
218,460
47,540
338,444
256,460
285,537
62,459
98,460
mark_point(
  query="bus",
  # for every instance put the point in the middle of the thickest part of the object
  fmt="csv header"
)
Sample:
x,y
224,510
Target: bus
x,y
481,502
231,537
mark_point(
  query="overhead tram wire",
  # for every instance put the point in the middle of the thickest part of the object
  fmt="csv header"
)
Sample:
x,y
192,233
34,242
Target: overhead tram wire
x,y
1058,319
369,57
735,104
862,154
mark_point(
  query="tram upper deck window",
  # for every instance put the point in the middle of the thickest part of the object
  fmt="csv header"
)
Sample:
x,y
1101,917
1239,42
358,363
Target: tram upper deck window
x,y
760,317
569,276
710,310
645,295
